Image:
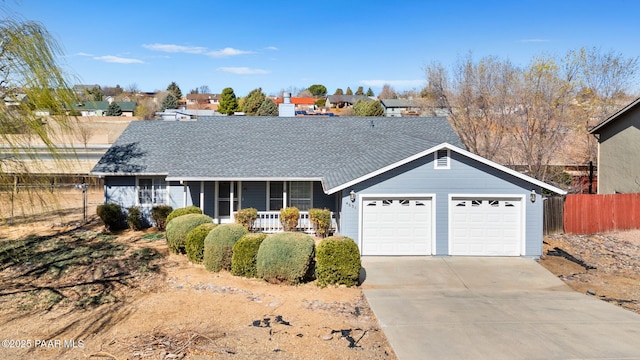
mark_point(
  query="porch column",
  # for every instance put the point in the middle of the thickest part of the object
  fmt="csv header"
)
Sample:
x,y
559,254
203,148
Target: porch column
x,y
184,194
239,196
268,207
284,194
202,196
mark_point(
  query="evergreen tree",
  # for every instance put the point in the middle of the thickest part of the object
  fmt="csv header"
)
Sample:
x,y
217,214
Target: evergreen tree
x,y
174,89
318,90
349,92
360,91
114,109
370,92
339,92
169,102
228,102
267,108
253,101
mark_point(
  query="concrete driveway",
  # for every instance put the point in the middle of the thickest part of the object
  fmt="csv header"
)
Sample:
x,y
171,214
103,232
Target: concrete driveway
x,y
492,308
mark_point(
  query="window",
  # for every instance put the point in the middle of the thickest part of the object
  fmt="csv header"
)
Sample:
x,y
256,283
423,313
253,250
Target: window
x,y
276,189
152,191
442,159
301,194
224,198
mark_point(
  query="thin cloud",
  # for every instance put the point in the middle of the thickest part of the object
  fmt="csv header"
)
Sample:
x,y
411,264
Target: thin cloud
x,y
84,54
172,48
272,48
242,70
118,60
394,83
226,52
533,40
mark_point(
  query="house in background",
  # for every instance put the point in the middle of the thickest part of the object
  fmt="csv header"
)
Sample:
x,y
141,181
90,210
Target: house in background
x,y
619,151
402,186
340,101
203,101
300,103
401,107
99,108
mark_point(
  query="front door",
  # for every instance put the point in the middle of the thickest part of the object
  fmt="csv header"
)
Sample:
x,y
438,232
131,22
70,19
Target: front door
x,y
226,191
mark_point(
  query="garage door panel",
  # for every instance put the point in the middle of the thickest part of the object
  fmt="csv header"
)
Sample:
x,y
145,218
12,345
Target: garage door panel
x,y
485,226
396,226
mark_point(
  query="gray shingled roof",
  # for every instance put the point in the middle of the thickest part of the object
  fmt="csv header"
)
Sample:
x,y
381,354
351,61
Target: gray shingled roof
x,y
335,150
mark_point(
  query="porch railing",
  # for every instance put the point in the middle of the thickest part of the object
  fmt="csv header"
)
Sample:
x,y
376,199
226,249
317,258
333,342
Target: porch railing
x,y
269,222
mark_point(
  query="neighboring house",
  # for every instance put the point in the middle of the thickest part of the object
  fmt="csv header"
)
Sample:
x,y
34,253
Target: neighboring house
x,y
99,108
203,101
399,186
300,104
401,107
341,101
619,151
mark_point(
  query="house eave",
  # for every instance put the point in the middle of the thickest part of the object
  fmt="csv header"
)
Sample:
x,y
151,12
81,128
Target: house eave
x,y
240,178
458,150
596,129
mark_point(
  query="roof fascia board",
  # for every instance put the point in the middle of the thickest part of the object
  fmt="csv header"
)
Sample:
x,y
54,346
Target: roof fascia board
x,y
614,116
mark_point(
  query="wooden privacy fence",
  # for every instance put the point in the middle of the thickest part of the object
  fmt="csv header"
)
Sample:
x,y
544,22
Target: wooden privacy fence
x,y
589,214
553,218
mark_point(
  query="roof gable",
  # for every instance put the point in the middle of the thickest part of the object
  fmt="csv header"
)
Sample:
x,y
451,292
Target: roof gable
x,y
631,107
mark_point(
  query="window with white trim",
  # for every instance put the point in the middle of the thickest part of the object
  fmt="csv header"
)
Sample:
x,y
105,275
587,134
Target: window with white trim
x,y
301,193
442,159
152,191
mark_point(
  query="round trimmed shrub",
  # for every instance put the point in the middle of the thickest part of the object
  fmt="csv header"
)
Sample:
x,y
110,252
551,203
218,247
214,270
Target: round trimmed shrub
x,y
337,261
285,258
243,261
194,242
159,214
183,211
111,215
179,227
289,218
218,246
134,218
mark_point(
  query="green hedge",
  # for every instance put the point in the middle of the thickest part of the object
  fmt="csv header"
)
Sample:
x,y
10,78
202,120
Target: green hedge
x,y
111,215
243,261
159,214
337,261
183,211
134,218
289,218
179,227
218,246
285,257
194,242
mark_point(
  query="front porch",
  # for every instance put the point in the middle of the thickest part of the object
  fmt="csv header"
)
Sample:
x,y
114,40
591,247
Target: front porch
x,y
269,222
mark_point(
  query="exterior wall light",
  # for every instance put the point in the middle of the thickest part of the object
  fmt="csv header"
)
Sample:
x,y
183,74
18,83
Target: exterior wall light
x,y
532,197
352,196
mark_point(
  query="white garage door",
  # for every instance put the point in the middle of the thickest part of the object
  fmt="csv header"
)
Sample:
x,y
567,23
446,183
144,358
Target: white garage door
x,y
396,226
486,226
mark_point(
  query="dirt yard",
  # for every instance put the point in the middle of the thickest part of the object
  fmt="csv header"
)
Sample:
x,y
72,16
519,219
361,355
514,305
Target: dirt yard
x,y
70,292
73,292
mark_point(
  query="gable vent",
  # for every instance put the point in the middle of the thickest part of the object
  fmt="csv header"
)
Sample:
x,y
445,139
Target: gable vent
x,y
442,159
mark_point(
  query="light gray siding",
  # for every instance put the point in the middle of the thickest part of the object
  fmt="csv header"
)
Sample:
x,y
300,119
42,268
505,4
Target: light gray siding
x,y
120,190
618,160
465,176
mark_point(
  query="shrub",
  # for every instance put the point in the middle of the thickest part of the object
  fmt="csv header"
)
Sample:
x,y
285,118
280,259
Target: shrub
x,y
321,219
134,218
337,261
218,246
179,227
183,211
194,242
159,214
111,215
243,261
246,217
289,218
285,257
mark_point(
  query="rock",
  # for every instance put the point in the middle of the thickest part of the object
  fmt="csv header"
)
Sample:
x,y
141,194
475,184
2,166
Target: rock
x,y
327,337
275,303
591,292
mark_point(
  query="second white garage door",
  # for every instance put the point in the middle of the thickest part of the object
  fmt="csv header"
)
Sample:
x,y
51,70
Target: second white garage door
x,y
485,226
396,226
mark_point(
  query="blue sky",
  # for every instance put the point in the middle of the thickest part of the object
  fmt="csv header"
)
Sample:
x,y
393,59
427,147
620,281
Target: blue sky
x,y
277,44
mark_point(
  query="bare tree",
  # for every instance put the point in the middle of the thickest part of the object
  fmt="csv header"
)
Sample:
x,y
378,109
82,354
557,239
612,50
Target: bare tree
x,y
387,92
